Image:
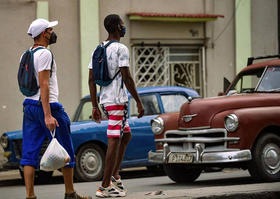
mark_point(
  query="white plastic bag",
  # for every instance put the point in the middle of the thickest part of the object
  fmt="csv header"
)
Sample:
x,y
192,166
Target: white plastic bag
x,y
55,156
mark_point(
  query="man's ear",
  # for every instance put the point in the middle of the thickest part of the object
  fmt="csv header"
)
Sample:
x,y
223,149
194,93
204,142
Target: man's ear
x,y
119,27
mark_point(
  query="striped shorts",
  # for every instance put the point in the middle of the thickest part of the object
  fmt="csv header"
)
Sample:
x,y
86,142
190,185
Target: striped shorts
x,y
117,123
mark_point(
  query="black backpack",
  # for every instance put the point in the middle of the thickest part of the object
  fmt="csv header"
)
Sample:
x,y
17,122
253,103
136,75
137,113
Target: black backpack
x,y
26,73
100,66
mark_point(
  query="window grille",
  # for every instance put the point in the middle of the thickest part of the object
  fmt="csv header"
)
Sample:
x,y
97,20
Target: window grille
x,y
167,66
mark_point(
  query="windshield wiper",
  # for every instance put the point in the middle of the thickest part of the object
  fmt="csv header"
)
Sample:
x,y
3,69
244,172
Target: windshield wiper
x,y
269,91
274,90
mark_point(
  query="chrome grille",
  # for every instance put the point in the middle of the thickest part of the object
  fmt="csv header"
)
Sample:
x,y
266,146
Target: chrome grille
x,y
18,147
185,140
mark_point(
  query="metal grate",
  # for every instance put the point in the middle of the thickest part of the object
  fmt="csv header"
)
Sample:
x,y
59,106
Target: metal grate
x,y
151,66
167,66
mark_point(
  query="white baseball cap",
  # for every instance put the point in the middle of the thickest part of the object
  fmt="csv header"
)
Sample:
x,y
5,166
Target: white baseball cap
x,y
39,25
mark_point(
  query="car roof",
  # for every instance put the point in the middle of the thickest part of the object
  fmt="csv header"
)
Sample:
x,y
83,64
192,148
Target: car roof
x,y
275,62
160,89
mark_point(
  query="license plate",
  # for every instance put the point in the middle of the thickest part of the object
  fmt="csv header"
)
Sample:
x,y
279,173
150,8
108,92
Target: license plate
x,y
180,158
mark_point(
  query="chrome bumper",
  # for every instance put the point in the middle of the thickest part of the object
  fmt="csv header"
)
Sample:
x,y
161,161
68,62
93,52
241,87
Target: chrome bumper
x,y
204,158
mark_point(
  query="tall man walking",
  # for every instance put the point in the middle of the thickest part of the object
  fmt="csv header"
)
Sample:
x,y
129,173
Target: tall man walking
x,y
113,99
43,113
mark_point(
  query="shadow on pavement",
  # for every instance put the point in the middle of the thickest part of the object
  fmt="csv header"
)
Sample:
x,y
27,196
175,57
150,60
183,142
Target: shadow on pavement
x,y
59,179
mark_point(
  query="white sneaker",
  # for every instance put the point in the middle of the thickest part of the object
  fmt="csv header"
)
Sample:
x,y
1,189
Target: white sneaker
x,y
118,183
110,191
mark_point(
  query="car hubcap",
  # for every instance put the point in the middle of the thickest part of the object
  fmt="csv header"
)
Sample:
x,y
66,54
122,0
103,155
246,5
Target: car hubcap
x,y
91,163
271,155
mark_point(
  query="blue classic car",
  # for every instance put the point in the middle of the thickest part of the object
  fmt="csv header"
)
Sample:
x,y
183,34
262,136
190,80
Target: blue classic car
x,y
89,138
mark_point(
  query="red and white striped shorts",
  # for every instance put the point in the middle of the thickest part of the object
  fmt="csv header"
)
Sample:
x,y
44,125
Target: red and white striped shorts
x,y
117,123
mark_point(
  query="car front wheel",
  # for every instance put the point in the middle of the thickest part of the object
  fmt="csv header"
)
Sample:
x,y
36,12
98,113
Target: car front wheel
x,y
265,163
90,162
181,173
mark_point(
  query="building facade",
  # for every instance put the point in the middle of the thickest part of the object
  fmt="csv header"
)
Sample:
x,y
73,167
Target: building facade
x,y
193,43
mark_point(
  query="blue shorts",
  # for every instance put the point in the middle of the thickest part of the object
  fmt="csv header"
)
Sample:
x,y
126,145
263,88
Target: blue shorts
x,y
35,131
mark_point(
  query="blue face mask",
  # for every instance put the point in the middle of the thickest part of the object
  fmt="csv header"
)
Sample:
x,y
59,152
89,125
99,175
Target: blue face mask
x,y
123,31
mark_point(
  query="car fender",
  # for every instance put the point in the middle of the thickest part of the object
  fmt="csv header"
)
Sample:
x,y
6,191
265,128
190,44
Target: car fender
x,y
252,122
85,132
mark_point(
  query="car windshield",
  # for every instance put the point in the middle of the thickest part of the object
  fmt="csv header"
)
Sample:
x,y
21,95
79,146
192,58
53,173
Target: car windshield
x,y
150,104
270,81
173,103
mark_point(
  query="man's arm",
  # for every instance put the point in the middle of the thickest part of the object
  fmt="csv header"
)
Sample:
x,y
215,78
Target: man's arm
x,y
50,121
96,114
130,85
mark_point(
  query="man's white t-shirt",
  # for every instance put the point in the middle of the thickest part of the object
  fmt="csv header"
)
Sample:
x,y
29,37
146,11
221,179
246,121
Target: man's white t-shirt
x,y
117,56
42,61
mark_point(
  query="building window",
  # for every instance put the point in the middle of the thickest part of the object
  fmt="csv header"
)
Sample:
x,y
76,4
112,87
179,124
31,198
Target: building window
x,y
168,66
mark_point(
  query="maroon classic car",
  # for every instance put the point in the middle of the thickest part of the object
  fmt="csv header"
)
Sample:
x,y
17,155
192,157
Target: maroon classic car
x,y
240,129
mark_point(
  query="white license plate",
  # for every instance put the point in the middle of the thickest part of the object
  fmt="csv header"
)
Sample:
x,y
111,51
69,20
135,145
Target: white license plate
x,y
180,158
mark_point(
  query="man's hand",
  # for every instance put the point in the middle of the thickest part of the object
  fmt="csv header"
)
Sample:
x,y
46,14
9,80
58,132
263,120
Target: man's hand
x,y
51,122
140,109
96,115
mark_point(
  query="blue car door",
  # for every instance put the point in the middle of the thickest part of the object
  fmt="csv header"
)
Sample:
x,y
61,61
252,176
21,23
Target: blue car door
x,y
142,140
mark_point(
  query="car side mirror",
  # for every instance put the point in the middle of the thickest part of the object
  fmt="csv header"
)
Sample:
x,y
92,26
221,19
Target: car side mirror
x,y
226,84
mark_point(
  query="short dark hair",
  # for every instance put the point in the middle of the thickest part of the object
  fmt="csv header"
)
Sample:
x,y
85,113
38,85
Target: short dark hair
x,y
111,22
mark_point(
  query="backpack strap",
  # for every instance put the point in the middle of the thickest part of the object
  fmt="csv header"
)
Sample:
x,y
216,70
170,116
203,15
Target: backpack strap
x,y
105,46
40,48
111,41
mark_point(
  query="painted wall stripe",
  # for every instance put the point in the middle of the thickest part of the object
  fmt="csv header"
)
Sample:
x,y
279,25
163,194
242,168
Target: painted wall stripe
x,y
89,29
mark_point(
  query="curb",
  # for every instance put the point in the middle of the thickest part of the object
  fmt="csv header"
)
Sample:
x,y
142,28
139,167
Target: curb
x,y
269,190
257,195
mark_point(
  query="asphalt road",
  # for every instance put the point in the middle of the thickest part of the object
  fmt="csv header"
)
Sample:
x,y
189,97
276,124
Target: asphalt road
x,y
140,183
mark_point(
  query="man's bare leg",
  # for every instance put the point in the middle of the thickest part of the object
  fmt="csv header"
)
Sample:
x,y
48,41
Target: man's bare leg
x,y
68,179
110,162
29,180
122,148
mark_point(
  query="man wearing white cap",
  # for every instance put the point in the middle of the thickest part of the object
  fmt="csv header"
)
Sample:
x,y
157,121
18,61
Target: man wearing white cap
x,y
43,113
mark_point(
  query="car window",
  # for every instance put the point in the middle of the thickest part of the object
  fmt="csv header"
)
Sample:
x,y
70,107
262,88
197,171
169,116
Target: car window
x,y
150,104
172,103
248,81
86,112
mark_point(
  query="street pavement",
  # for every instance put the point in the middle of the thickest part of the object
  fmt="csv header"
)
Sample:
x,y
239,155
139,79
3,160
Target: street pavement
x,y
228,184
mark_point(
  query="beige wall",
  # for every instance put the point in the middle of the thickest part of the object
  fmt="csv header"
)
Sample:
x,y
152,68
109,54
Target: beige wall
x,y
15,17
165,30
264,27
67,51
220,55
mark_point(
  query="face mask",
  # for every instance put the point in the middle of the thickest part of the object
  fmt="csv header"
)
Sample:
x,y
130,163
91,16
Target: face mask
x,y
123,31
53,38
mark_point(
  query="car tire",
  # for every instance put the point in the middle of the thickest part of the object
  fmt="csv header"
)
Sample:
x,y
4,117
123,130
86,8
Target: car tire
x,y
40,177
181,173
265,163
90,163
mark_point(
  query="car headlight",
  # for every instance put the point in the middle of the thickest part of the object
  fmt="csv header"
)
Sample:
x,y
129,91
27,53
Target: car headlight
x,y
231,122
157,125
4,141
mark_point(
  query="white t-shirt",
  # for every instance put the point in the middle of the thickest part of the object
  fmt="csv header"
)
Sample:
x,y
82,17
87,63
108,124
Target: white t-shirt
x,y
117,56
42,61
